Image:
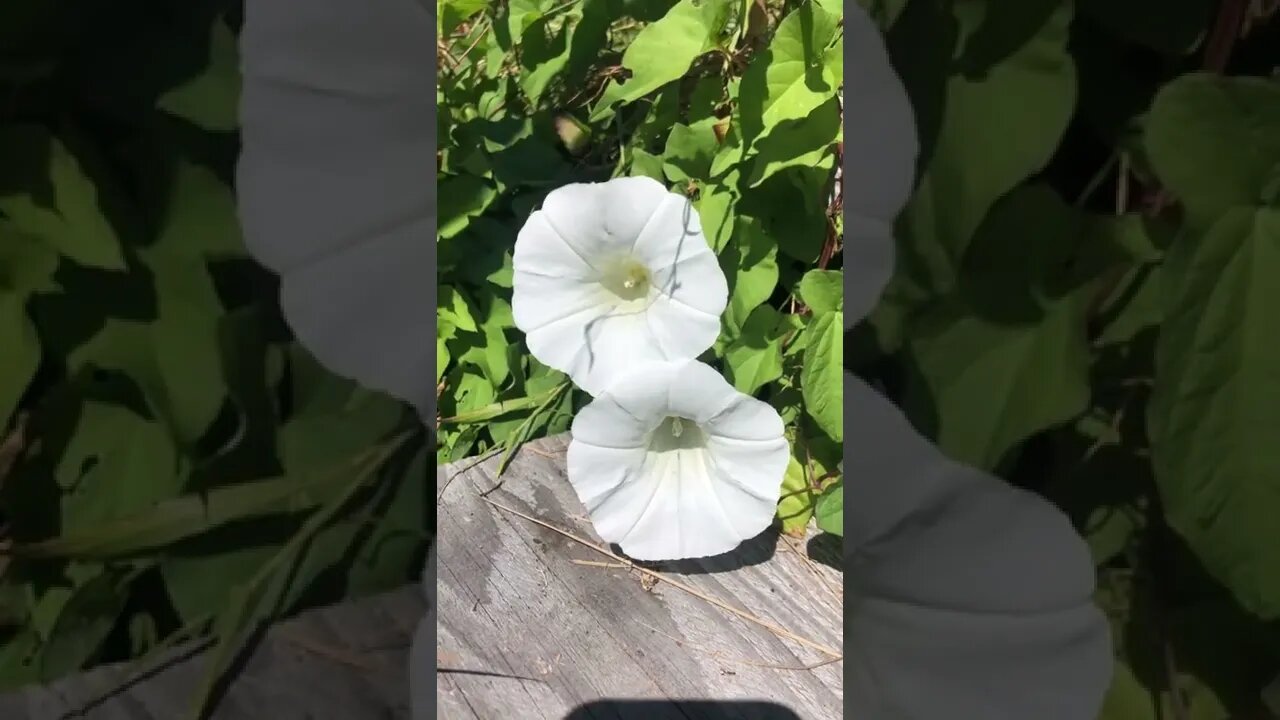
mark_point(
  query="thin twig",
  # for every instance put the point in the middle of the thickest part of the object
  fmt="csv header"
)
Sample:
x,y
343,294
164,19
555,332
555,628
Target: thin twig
x,y
597,563
338,655
479,459
742,661
775,629
1222,38
813,568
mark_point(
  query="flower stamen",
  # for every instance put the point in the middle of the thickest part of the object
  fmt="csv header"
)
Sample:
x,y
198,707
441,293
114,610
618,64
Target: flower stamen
x,y
628,279
677,433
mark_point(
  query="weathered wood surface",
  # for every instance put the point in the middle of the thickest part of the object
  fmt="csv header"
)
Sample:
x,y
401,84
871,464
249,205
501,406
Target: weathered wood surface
x,y
343,662
524,631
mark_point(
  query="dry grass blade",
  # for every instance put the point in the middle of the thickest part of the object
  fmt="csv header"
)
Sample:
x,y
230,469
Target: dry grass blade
x,y
190,515
740,661
838,594
743,614
249,606
449,480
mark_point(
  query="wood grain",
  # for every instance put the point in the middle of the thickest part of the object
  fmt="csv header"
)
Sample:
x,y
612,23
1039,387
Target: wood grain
x,y
347,661
527,629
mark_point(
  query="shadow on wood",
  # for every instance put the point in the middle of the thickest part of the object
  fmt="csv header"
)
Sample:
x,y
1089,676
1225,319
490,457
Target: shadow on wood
x,y
681,710
534,625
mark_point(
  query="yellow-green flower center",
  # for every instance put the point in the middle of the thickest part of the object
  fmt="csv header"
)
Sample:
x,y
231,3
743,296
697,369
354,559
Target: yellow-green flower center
x,y
677,433
628,279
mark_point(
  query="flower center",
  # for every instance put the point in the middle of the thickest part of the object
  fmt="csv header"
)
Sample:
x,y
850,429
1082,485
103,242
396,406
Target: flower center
x,y
677,433
628,279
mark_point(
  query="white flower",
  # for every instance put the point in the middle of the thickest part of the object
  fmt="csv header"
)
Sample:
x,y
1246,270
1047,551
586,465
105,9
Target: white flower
x,y
672,462
880,149
334,180
607,275
971,599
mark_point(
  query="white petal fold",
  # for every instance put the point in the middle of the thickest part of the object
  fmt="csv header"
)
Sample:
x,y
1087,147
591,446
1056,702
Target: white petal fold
x,y
693,487
571,257
334,180
880,151
971,598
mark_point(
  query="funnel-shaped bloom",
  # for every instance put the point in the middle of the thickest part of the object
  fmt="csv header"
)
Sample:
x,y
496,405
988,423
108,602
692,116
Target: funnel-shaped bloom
x,y
607,275
338,143
971,599
672,462
880,149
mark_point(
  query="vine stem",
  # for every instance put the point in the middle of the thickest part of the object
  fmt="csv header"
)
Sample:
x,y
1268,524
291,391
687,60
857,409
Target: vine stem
x,y
1226,31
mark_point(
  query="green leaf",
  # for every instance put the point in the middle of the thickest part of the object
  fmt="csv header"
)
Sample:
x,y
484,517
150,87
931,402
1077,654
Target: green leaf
x,y
175,358
664,51
45,192
185,343
117,464
789,80
755,357
25,266
1215,410
84,623
715,210
822,291
442,358
795,507
211,100
981,385
829,510
453,13
750,262
993,94
645,163
689,151
822,375
806,142
198,215
1213,142
454,311
460,198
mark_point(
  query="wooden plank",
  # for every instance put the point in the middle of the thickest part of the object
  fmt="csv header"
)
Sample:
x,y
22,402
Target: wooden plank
x,y
525,632
345,661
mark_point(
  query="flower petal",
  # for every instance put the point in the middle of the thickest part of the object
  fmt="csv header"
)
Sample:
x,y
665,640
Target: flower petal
x,y
595,345
880,150
964,585
376,50
540,250
602,219
684,517
668,503
538,300
680,330
338,135
374,331
338,125
695,281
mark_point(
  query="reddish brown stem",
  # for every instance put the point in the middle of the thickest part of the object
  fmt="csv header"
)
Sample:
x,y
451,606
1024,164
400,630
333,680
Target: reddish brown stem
x,y
1226,31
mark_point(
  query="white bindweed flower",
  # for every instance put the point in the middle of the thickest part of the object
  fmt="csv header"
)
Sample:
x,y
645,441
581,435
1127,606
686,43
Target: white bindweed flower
x,y
971,598
338,143
607,275
672,462
880,150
